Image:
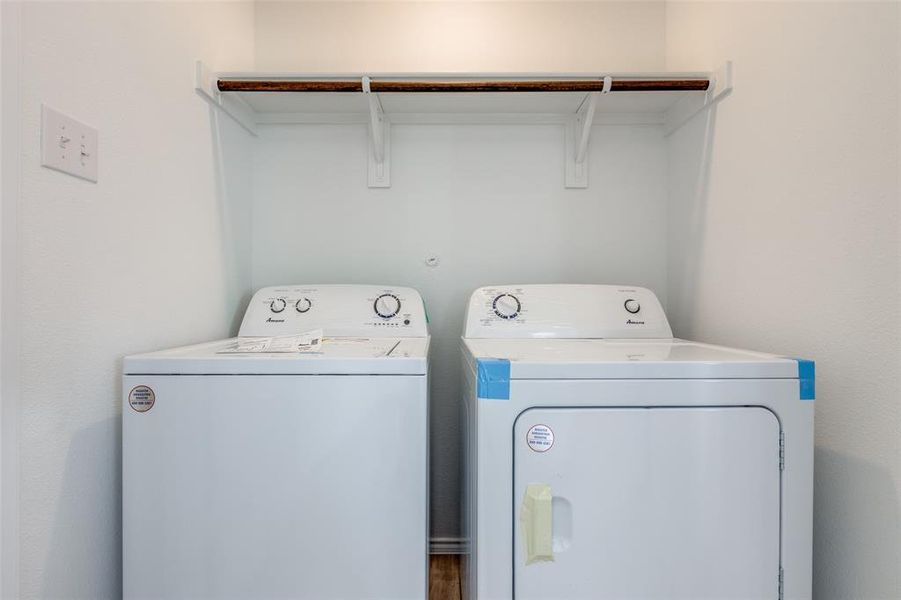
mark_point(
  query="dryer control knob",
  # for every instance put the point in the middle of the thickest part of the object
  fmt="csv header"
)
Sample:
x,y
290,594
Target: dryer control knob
x,y
506,306
386,306
632,305
278,305
303,305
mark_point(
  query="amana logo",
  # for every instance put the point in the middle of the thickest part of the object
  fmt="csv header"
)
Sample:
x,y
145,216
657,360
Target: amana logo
x,y
631,322
271,320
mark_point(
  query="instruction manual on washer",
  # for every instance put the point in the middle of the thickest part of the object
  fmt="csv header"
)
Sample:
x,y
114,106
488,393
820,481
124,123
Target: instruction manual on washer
x,y
307,342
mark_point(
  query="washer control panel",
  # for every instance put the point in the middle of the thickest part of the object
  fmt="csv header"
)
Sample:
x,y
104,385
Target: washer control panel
x,y
339,310
565,311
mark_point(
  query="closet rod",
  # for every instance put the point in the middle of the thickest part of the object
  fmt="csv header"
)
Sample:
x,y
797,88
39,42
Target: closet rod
x,y
550,85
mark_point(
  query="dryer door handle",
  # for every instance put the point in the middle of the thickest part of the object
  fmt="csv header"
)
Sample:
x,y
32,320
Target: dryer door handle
x,y
561,524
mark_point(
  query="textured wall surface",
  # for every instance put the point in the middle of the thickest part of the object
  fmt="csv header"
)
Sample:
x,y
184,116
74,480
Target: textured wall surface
x,y
784,237
156,254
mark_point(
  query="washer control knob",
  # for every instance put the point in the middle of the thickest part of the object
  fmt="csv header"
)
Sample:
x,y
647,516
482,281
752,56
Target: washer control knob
x,y
632,305
278,305
303,305
506,306
386,306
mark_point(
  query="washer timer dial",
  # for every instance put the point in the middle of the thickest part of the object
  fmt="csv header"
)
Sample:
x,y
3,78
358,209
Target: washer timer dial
x,y
506,306
303,305
386,306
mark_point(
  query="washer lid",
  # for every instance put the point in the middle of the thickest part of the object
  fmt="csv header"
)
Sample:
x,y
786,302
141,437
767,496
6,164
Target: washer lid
x,y
337,356
629,359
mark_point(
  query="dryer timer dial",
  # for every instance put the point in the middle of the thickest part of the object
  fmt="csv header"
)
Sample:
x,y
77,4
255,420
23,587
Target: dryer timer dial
x,y
506,306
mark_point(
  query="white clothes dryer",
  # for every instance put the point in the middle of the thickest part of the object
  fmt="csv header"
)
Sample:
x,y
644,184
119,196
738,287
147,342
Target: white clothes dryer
x,y
607,460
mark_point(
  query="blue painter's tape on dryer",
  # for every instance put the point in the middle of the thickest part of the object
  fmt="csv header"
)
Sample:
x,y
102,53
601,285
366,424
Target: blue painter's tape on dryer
x,y
806,378
493,375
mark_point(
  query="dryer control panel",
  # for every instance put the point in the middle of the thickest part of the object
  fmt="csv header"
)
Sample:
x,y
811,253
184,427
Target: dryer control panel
x,y
339,310
566,311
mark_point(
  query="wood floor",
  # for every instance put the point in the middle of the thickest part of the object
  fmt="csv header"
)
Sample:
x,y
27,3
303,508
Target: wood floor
x,y
444,577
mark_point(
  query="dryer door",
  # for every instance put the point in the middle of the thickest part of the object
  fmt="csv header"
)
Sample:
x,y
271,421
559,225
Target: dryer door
x,y
646,503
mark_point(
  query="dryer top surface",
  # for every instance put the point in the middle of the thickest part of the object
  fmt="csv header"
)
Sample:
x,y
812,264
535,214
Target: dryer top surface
x,y
628,359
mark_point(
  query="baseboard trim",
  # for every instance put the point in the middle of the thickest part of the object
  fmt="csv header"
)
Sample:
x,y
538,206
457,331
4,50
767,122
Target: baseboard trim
x,y
448,545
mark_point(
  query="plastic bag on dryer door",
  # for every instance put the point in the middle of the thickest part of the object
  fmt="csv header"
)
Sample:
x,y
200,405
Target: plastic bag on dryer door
x,y
535,522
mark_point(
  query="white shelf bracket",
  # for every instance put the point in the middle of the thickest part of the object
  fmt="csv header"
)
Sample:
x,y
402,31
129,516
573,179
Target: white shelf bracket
x,y
576,138
205,86
682,112
379,141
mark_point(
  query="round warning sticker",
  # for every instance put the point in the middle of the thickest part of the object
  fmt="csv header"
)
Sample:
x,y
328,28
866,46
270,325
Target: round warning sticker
x,y
141,398
540,438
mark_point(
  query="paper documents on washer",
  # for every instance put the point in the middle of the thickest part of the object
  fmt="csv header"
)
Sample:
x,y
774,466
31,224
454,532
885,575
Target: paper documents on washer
x,y
307,342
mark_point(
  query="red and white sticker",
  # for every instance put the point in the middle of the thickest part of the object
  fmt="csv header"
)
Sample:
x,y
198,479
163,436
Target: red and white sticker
x,y
540,438
141,398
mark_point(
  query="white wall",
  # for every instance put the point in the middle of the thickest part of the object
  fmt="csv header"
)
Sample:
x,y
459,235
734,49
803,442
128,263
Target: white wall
x,y
156,254
489,201
436,36
788,241
9,350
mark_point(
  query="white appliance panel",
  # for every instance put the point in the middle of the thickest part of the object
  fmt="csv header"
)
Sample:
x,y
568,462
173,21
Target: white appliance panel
x,y
276,487
628,359
653,503
565,311
339,310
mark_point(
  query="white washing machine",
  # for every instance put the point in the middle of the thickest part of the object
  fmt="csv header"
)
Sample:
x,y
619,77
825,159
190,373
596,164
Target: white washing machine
x,y
283,468
607,460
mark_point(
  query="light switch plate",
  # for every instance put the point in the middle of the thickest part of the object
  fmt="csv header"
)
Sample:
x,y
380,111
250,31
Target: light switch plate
x,y
68,145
